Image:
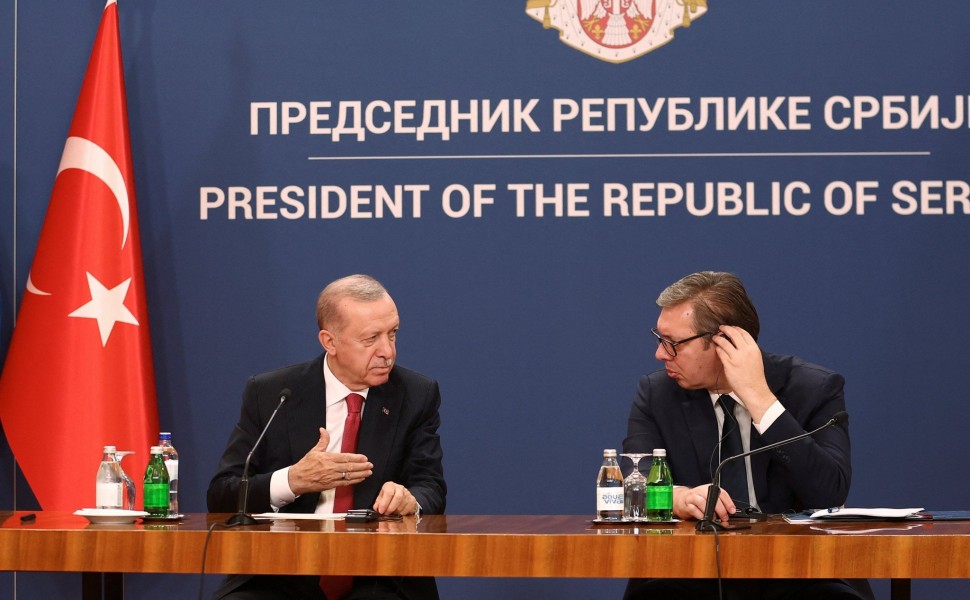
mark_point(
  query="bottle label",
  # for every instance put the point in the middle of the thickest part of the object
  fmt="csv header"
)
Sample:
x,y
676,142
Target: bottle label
x,y
108,495
609,498
660,497
173,469
156,498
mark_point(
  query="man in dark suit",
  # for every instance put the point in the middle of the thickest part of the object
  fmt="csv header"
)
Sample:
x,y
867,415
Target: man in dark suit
x,y
707,341
299,466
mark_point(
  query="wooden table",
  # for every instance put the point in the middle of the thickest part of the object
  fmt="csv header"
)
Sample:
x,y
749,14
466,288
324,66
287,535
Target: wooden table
x,y
487,546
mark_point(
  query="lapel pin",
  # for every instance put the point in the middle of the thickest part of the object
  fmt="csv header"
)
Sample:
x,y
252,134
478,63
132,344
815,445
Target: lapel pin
x,y
387,411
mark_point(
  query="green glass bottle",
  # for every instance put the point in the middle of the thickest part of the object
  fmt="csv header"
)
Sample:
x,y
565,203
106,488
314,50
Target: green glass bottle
x,y
660,488
156,485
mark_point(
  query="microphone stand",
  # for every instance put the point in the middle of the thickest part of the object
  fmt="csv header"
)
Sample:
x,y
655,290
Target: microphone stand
x,y
242,518
708,523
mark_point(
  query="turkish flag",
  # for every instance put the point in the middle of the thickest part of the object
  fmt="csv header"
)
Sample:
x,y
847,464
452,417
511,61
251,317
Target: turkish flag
x,y
79,373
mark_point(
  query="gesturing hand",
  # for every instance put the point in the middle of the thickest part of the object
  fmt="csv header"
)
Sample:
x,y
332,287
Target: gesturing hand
x,y
320,470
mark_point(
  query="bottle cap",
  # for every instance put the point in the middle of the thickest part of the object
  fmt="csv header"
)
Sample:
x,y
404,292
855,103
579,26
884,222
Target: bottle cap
x,y
156,450
110,449
164,436
608,452
659,452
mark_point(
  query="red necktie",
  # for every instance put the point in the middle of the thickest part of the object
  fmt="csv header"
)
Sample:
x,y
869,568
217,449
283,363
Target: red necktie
x,y
336,586
344,498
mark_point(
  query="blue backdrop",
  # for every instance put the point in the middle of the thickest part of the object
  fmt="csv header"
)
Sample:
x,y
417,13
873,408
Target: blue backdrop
x,y
534,316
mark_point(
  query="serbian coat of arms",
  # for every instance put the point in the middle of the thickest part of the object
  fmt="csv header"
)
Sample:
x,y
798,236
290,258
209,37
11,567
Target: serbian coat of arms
x,y
615,30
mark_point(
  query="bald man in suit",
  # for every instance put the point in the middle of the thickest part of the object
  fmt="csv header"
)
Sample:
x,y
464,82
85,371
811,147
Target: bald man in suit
x,y
396,467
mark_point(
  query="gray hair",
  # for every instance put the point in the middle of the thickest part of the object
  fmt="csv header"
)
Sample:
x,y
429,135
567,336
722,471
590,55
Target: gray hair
x,y
363,288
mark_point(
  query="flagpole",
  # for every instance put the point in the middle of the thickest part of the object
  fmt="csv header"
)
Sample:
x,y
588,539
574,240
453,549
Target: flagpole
x,y
13,224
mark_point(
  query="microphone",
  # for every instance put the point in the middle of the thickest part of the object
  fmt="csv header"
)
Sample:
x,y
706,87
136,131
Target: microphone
x,y
241,517
708,523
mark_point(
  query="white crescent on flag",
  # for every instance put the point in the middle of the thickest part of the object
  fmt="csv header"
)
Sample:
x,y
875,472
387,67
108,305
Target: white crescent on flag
x,y
85,155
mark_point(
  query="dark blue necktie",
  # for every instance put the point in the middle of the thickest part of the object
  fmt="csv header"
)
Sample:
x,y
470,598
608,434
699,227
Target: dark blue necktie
x,y
734,476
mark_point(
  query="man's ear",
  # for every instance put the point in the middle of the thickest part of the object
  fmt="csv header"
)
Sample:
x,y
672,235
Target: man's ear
x,y
328,340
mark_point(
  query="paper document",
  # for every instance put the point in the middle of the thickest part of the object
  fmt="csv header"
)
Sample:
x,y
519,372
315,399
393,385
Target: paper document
x,y
875,514
872,513
304,516
839,528
853,514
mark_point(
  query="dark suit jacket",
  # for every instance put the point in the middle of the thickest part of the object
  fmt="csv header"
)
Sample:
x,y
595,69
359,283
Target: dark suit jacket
x,y
398,434
811,473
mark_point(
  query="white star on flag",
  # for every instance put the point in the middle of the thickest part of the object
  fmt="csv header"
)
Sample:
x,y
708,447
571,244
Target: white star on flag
x,y
107,306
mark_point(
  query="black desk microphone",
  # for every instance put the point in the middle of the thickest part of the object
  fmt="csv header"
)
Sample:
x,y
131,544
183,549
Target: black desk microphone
x,y
708,523
241,517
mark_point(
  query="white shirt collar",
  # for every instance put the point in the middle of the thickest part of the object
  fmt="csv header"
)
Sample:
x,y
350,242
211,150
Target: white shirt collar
x,y
716,395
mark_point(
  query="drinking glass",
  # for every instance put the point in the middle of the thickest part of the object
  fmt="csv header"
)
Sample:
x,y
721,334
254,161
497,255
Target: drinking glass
x,y
128,501
635,490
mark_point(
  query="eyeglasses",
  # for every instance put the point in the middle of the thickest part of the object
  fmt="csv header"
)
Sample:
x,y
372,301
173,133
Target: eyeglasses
x,y
670,346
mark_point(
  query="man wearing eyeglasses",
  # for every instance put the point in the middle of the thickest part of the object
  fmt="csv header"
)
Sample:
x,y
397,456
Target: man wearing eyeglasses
x,y
716,383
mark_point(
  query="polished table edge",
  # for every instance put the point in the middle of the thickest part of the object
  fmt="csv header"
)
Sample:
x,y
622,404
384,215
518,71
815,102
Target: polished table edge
x,y
487,546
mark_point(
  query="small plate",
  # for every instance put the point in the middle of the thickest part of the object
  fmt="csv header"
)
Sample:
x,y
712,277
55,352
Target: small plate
x,y
110,516
168,519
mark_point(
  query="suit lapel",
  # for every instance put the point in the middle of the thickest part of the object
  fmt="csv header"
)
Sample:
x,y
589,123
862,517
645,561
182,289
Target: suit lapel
x,y
699,414
306,412
759,462
378,426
